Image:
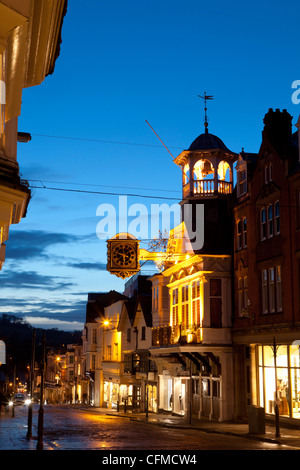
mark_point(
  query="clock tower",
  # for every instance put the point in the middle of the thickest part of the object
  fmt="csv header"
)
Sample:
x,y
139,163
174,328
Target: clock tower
x,y
207,178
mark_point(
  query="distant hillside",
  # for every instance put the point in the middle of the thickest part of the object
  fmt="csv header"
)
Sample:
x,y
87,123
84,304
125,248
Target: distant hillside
x,y
17,335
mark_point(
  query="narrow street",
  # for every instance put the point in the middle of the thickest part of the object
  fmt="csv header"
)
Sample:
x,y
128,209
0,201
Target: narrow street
x,y
67,428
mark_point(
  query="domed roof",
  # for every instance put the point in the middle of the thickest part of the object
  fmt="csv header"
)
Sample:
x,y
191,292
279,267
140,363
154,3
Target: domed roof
x,y
208,142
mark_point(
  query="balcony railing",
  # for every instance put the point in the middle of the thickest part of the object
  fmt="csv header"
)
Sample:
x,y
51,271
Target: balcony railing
x,y
204,187
224,187
207,188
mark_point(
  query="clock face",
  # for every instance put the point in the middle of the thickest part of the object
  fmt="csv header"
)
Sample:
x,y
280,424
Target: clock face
x,y
124,255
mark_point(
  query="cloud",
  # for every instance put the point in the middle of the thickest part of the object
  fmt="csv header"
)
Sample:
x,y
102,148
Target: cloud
x,y
64,314
85,265
44,322
29,244
32,280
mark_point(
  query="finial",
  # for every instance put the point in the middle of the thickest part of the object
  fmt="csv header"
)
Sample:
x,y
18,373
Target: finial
x,y
205,98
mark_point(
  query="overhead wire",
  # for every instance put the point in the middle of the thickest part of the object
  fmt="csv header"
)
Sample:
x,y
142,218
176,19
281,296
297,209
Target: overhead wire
x,y
101,185
84,139
82,191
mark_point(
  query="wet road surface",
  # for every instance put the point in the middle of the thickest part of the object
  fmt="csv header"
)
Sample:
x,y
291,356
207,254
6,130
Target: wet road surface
x,y
67,428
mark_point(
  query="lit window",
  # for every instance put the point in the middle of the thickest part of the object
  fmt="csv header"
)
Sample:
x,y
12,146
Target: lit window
x,y
175,307
185,307
196,303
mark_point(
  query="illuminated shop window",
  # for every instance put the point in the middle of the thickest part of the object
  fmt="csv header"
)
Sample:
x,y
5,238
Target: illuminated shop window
x,y
287,384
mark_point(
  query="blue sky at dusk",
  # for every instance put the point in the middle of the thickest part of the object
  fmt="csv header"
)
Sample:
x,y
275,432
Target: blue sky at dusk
x,y
122,63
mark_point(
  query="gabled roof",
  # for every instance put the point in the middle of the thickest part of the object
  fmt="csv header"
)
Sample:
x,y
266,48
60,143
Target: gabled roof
x,y
145,302
132,304
98,301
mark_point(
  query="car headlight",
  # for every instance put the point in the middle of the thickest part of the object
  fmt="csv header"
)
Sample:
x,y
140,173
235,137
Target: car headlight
x,y
27,401
11,403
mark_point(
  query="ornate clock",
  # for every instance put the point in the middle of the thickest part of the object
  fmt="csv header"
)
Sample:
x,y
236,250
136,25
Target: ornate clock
x,y
123,256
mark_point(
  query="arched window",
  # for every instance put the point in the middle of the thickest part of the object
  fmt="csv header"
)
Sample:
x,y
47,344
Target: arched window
x,y
224,171
202,169
203,177
186,173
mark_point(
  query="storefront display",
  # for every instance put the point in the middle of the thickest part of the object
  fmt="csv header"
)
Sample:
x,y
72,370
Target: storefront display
x,y
287,377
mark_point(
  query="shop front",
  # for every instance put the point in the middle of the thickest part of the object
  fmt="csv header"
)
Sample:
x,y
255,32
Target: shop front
x,y
278,368
126,396
111,394
203,387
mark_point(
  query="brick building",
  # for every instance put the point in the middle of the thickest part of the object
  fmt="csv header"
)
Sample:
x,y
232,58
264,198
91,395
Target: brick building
x,y
267,272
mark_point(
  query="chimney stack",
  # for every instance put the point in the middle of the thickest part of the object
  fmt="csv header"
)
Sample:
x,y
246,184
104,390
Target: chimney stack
x,y
278,126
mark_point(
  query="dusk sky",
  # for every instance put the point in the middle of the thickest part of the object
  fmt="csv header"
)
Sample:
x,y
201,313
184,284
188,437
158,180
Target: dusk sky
x,y
122,63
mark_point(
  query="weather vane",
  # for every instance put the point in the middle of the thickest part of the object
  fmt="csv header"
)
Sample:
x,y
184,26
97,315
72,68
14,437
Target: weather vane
x,y
205,98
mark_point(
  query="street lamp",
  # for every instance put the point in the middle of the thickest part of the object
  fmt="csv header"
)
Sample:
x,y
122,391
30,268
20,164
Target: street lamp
x,y
40,445
31,372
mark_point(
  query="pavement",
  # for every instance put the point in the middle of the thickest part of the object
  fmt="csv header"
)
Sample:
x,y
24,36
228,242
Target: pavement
x,y
13,429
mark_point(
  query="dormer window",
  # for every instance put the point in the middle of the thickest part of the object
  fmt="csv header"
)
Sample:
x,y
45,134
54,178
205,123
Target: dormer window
x,y
242,182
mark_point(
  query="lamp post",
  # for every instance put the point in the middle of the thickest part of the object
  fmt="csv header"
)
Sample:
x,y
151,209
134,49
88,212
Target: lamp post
x,y
40,444
29,430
